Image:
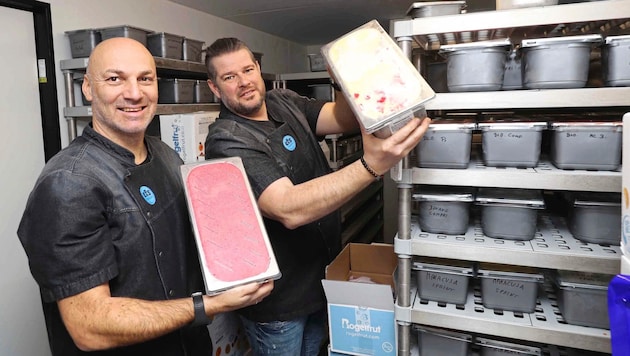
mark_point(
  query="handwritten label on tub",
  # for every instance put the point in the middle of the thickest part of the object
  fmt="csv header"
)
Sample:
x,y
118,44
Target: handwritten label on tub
x,y
437,211
508,288
434,138
441,281
597,136
510,135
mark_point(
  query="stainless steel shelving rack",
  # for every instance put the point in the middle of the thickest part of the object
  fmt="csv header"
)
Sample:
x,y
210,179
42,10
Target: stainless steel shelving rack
x,y
608,17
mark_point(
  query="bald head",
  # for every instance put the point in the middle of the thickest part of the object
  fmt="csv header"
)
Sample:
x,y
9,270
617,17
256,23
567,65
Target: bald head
x,y
120,50
121,83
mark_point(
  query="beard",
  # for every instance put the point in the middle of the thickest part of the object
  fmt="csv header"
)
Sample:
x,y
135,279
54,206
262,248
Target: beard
x,y
246,108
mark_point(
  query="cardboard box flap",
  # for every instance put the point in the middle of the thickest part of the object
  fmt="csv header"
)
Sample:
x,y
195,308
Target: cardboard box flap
x,y
377,296
376,263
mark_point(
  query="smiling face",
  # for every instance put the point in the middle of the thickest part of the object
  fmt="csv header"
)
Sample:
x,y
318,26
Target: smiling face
x,y
239,84
121,82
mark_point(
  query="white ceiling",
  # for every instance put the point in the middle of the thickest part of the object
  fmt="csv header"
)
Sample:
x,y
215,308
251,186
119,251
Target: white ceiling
x,y
311,22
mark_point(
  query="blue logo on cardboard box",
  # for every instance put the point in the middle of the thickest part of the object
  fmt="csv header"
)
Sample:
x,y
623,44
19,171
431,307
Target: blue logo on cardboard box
x,y
360,330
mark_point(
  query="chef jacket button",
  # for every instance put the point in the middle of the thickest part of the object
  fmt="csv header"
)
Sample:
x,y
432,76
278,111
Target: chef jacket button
x,y
160,253
148,214
171,292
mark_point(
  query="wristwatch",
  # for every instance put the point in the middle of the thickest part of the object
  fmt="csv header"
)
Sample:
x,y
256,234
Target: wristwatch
x,y
200,312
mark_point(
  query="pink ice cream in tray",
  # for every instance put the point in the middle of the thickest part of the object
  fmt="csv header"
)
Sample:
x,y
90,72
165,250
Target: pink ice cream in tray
x,y
232,242
379,82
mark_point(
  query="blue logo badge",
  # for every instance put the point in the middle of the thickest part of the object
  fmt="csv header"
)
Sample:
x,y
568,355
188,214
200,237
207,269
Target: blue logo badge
x,y
289,142
147,194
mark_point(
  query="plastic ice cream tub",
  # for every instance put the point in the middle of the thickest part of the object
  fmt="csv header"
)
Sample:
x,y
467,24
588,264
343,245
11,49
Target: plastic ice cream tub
x,y
518,4
510,214
166,45
490,347
615,64
437,341
192,50
596,217
435,8
507,287
486,57
176,91
557,62
202,92
444,210
443,280
511,143
583,298
82,42
513,74
136,33
586,145
382,87
446,144
232,242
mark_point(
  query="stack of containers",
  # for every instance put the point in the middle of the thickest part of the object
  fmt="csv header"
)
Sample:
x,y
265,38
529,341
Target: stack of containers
x,y
444,210
446,144
443,280
510,288
588,145
583,298
511,142
509,213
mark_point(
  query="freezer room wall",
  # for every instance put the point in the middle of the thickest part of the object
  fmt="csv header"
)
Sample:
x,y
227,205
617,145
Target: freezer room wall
x,y
163,16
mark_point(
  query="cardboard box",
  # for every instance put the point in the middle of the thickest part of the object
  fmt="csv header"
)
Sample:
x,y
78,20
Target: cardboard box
x,y
186,133
228,336
360,312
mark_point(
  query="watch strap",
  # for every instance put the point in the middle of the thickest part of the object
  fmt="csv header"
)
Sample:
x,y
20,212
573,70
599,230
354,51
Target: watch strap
x,y
200,312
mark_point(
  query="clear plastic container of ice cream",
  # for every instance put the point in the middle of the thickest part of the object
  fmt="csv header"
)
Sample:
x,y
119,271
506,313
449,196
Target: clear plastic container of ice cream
x,y
381,85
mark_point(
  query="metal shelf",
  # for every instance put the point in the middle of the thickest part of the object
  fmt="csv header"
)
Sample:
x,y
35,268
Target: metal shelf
x,y
553,247
303,76
604,17
162,109
544,325
544,176
532,99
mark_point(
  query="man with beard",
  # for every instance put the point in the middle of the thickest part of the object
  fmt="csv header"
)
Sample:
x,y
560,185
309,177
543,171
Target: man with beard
x,y
276,134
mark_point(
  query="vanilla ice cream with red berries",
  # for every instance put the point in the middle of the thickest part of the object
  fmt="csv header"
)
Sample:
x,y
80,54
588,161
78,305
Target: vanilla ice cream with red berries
x,y
378,80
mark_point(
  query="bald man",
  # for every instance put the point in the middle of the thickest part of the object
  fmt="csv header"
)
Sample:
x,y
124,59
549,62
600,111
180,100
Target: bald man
x,y
107,232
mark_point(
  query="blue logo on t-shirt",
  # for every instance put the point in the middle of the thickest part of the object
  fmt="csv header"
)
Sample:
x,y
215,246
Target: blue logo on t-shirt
x,y
288,142
147,194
